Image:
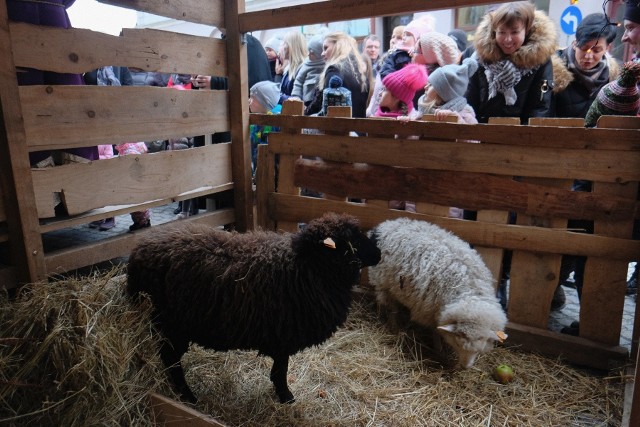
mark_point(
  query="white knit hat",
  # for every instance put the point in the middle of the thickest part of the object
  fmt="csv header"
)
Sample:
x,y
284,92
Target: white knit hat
x,y
438,45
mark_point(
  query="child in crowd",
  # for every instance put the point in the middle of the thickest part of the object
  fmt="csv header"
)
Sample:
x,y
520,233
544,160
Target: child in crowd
x,y
444,94
141,219
263,98
308,75
396,99
400,56
399,88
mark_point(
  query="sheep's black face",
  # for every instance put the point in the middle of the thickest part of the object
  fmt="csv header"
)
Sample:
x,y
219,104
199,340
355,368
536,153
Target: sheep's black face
x,y
338,235
365,249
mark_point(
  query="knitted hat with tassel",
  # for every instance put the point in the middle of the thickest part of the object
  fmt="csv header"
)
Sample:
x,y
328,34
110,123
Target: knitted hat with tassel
x,y
617,98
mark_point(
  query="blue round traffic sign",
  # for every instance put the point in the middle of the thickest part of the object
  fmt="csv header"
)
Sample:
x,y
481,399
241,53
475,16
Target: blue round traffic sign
x,y
570,19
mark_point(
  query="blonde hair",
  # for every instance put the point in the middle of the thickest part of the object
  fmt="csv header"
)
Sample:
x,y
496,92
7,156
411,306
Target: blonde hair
x,y
429,107
510,13
347,58
297,48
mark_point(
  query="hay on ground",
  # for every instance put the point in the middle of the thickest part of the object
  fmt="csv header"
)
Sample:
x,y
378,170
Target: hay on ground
x,y
77,353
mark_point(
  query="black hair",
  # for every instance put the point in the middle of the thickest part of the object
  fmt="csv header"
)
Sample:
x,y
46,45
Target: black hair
x,y
593,27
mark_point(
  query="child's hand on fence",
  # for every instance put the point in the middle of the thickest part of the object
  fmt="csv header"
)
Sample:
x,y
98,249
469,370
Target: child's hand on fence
x,y
441,115
404,119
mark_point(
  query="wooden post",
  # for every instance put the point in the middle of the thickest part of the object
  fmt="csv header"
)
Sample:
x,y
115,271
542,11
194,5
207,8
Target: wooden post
x,y
239,116
27,254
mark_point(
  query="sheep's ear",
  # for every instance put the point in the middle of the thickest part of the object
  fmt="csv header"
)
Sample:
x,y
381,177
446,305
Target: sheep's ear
x,y
328,242
501,336
450,328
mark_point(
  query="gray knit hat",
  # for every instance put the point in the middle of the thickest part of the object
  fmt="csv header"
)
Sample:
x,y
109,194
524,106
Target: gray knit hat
x,y
451,81
273,43
266,93
315,45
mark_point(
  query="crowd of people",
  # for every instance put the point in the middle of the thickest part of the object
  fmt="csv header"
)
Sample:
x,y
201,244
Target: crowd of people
x,y
513,68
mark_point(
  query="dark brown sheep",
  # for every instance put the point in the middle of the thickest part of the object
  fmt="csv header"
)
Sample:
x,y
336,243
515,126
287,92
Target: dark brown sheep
x,y
266,291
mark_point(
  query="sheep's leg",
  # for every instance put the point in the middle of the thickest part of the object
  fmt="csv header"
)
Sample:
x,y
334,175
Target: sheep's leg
x,y
171,353
279,378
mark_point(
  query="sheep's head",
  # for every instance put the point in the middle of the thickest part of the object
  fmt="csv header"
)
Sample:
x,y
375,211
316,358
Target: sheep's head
x,y
338,235
472,327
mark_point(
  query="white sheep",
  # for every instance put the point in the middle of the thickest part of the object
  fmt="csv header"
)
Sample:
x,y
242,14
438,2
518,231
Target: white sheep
x,y
441,281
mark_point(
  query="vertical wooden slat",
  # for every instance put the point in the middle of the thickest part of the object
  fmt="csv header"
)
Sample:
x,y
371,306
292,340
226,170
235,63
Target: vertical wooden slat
x,y
239,116
287,161
26,253
265,185
493,257
337,111
533,273
604,288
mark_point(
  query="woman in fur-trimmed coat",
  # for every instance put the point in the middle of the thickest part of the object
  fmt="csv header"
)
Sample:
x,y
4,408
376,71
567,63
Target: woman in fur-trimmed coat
x,y
583,68
513,46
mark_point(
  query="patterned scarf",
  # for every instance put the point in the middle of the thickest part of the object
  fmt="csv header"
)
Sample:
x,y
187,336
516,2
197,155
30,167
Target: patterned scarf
x,y
502,77
106,77
592,79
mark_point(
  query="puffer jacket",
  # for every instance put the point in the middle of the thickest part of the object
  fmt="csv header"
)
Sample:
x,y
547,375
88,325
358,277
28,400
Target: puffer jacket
x,y
533,90
570,97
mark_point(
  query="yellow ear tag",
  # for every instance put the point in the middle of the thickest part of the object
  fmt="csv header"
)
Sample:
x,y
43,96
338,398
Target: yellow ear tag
x,y
501,336
328,242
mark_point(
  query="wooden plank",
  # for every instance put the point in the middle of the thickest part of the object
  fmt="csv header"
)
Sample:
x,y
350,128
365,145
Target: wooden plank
x,y
606,166
118,246
239,117
336,111
79,50
574,349
26,254
633,396
301,209
81,116
515,135
210,12
287,161
492,257
86,186
534,277
315,13
8,277
603,292
471,191
265,185
52,224
619,122
168,412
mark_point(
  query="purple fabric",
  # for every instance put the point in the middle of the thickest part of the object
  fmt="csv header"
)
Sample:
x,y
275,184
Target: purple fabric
x,y
46,13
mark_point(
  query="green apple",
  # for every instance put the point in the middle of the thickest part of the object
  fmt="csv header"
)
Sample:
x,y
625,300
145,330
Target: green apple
x,y
503,373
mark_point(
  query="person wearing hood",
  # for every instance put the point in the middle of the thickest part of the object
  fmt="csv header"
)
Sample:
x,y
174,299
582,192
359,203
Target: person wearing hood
x,y
583,68
307,77
513,47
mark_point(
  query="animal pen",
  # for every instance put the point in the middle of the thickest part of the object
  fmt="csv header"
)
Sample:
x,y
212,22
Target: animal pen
x,y
432,163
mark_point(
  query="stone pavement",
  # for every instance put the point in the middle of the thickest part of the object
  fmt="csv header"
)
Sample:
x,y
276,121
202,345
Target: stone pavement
x,y
60,239
571,312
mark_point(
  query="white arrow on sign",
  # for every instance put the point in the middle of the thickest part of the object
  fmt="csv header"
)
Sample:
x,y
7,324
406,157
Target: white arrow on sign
x,y
570,19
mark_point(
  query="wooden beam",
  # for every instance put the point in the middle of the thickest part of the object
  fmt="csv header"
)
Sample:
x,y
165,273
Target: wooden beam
x,y
544,162
119,246
578,350
59,116
502,134
319,12
210,12
74,50
466,190
168,412
283,207
86,186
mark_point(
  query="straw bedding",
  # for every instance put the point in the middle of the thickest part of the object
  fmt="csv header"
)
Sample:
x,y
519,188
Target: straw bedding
x,y
75,353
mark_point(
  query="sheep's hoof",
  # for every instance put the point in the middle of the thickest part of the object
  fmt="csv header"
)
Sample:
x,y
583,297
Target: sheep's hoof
x,y
286,397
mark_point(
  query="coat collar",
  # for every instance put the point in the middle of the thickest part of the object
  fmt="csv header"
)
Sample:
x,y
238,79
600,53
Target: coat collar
x,y
539,46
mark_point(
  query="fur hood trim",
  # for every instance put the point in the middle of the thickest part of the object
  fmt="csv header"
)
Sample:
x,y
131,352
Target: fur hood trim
x,y
562,77
539,46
